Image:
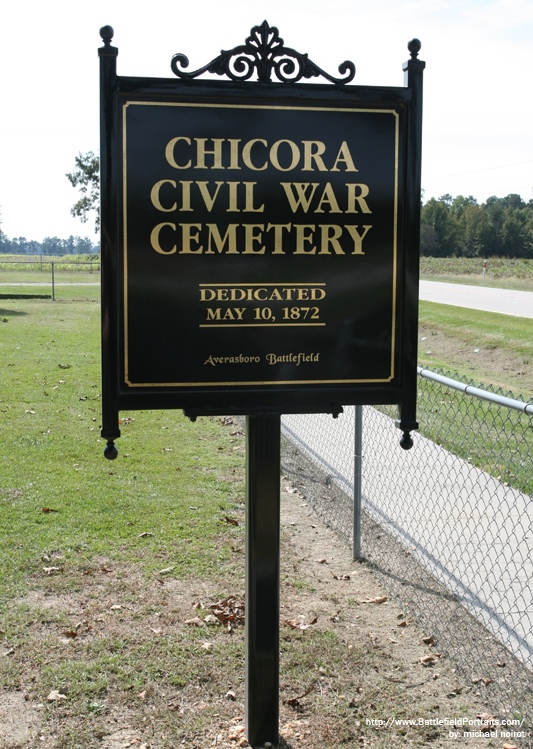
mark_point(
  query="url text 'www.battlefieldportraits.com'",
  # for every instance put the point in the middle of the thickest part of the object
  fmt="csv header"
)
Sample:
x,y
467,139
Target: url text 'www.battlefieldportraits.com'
x,y
457,728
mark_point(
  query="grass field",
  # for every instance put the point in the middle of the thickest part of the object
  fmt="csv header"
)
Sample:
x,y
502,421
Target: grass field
x,y
490,348
105,563
72,277
507,273
50,408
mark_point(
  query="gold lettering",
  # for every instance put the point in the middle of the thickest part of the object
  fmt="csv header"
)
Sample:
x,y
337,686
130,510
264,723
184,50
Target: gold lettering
x,y
202,152
278,236
344,157
215,237
232,198
311,156
330,234
231,313
301,198
247,154
187,237
186,195
328,198
275,160
169,152
358,238
251,236
234,153
302,238
154,196
249,205
154,239
354,198
208,199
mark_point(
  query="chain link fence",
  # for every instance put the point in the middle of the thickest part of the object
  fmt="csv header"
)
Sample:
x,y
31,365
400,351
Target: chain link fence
x,y
66,278
448,524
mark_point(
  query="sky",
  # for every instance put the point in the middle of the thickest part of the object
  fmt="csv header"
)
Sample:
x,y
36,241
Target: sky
x,y
478,108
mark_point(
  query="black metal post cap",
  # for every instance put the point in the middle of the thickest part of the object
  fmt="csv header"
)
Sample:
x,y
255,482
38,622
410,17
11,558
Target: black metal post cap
x,y
110,450
414,47
406,442
107,33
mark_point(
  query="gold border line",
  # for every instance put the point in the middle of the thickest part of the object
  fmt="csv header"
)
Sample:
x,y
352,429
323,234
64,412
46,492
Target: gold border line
x,y
255,383
354,110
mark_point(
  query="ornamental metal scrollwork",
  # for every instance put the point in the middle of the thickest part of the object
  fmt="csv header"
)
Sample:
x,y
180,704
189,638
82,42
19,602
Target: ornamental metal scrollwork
x,y
265,53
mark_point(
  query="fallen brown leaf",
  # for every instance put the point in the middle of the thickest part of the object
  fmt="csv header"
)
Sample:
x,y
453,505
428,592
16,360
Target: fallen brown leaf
x,y
165,571
55,696
295,701
229,612
52,570
378,600
195,621
430,660
300,623
71,634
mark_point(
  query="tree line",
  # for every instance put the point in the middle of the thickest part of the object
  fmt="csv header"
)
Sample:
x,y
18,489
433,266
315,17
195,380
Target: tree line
x,y
449,226
49,246
461,227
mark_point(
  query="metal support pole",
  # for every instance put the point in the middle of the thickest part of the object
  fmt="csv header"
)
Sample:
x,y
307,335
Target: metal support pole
x,y
53,284
357,481
262,578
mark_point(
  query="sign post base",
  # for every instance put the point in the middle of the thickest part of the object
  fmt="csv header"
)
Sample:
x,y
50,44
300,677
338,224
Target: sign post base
x,y
262,578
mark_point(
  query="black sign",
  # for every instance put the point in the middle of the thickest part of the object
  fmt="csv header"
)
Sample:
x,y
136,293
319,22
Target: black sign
x,y
261,252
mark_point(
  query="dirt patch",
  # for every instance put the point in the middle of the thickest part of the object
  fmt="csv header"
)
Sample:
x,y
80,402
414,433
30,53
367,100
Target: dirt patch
x,y
494,366
154,678
19,720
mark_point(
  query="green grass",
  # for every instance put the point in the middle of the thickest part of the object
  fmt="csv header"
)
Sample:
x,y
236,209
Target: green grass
x,y
479,328
79,534
496,440
74,284
57,492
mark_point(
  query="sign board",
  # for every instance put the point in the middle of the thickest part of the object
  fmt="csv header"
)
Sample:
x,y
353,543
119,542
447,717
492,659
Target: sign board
x,y
259,245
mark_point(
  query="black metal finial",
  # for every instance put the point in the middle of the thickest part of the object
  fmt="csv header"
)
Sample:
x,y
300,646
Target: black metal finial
x,y
406,441
110,450
107,33
414,47
265,53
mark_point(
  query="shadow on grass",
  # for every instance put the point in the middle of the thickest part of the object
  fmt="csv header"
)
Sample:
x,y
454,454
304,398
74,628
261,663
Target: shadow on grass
x,y
6,313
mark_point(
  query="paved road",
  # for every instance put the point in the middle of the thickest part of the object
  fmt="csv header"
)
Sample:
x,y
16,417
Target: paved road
x,y
505,301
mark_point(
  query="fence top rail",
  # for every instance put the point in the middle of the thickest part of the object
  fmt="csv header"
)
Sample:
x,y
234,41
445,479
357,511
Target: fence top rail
x,y
50,260
500,400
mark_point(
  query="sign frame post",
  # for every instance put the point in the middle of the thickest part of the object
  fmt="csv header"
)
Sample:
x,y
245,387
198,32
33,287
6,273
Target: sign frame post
x,y
262,578
288,249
